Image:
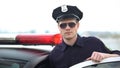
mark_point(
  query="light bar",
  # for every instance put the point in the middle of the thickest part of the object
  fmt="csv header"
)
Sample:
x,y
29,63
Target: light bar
x,y
34,40
7,40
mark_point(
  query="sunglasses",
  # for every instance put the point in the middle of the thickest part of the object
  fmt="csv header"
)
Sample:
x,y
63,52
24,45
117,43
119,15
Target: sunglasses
x,y
64,25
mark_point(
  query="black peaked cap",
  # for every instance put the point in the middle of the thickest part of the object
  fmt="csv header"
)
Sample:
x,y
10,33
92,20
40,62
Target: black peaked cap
x,y
67,11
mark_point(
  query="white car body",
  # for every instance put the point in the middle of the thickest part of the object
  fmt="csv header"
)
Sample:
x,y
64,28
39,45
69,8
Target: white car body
x,y
90,62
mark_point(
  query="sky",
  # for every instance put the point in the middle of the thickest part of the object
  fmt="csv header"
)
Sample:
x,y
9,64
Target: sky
x,y
26,15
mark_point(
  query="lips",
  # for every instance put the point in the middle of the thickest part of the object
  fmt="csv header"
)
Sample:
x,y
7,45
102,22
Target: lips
x,y
68,33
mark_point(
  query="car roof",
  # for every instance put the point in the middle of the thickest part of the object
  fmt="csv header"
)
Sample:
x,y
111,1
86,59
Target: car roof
x,y
21,53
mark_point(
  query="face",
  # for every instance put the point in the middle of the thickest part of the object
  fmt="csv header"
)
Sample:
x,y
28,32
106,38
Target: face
x,y
68,28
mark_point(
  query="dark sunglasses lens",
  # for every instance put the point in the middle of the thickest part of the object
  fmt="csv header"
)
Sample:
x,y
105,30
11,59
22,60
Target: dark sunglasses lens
x,y
71,25
63,25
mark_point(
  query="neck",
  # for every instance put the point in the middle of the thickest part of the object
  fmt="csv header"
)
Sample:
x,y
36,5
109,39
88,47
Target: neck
x,y
71,41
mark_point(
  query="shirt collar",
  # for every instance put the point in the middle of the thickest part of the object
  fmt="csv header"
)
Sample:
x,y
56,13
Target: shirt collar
x,y
79,42
64,45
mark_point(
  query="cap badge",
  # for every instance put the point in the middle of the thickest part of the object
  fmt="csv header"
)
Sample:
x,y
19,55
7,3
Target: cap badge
x,y
64,8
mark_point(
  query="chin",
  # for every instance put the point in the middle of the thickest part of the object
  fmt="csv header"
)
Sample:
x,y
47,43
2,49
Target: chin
x,y
68,37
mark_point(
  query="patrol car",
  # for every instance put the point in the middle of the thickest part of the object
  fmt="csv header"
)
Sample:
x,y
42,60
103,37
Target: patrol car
x,y
26,51
29,51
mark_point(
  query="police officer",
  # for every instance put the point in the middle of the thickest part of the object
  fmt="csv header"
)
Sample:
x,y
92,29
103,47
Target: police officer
x,y
74,48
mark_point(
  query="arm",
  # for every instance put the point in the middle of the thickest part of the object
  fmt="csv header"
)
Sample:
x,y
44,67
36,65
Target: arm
x,y
102,51
98,56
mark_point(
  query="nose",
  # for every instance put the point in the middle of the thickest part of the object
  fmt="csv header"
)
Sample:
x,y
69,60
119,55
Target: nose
x,y
67,27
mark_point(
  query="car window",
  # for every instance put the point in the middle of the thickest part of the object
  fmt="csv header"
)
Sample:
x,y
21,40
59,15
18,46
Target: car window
x,y
11,64
15,65
105,65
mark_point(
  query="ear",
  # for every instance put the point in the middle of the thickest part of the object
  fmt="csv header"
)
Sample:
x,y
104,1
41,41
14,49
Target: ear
x,y
78,24
58,26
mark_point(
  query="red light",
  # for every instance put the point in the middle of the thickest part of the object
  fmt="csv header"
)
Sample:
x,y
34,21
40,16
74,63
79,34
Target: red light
x,y
39,39
57,39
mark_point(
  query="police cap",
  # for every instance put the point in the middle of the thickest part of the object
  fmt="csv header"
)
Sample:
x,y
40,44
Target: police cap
x,y
67,11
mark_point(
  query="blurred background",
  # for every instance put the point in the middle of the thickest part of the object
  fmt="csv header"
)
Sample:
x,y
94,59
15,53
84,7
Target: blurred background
x,y
101,18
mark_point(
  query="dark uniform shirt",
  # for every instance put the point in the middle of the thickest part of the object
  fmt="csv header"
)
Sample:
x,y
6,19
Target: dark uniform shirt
x,y
64,56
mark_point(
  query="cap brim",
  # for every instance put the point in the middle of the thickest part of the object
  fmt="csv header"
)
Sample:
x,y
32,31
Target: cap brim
x,y
67,16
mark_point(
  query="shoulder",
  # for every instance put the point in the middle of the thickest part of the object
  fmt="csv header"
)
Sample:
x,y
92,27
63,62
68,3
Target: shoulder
x,y
57,48
92,40
56,51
